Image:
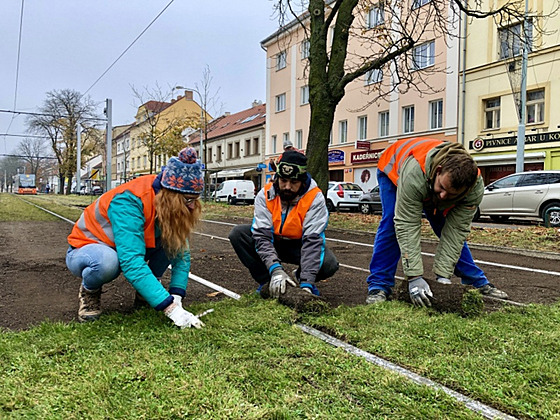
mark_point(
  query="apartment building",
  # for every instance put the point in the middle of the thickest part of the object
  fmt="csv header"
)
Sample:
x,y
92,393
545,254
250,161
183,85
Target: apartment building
x,y
489,113
130,156
233,146
360,132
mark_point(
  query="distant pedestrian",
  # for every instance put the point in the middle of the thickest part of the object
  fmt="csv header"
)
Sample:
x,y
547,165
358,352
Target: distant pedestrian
x,y
440,180
140,228
47,188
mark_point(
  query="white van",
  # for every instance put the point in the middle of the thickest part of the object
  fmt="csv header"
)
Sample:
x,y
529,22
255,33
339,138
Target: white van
x,y
235,190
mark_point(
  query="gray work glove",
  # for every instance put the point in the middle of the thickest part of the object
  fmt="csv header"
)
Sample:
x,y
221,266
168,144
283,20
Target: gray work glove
x,y
442,280
182,318
278,282
420,292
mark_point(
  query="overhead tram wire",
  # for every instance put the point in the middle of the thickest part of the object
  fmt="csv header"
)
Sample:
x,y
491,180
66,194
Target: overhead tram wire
x,y
127,48
50,115
17,69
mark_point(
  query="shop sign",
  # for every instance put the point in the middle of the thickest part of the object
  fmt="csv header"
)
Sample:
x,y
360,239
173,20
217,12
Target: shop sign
x,y
362,144
336,157
479,143
370,156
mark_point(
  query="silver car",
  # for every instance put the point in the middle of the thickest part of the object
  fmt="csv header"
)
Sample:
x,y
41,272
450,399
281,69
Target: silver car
x,y
523,194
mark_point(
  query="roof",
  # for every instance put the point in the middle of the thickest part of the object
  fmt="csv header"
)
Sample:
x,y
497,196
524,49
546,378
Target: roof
x,y
228,124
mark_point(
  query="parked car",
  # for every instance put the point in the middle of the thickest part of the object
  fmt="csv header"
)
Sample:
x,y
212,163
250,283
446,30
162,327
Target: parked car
x,y
234,191
524,194
343,195
370,202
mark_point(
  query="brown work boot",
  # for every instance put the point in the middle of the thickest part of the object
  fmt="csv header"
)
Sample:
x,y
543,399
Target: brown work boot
x,y
90,304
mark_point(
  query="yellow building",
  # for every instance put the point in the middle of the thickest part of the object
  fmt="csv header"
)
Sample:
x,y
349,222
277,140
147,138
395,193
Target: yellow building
x,y
489,119
130,155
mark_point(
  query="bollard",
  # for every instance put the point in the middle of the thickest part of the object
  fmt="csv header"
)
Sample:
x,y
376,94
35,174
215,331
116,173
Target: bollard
x,y
552,217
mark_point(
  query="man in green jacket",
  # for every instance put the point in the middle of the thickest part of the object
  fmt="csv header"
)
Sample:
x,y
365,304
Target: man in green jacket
x,y
440,180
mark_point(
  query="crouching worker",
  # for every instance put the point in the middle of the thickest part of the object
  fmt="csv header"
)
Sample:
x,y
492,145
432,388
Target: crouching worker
x,y
440,180
140,228
288,226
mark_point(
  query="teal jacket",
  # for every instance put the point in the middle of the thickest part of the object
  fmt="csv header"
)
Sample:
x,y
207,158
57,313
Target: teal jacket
x,y
127,220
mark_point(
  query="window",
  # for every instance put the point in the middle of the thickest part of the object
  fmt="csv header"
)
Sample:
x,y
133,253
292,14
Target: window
x,y
280,60
285,139
230,150
342,131
362,127
374,76
423,55
273,144
255,145
375,16
218,153
384,124
237,149
535,106
305,49
247,147
536,178
492,113
281,102
304,95
419,3
507,182
408,119
209,155
145,161
436,114
299,139
511,40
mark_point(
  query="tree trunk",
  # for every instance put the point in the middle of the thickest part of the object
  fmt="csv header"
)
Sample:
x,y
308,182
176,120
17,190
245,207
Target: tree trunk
x,y
322,115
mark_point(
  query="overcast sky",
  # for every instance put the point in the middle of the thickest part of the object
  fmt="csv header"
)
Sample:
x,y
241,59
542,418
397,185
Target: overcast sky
x,y
68,44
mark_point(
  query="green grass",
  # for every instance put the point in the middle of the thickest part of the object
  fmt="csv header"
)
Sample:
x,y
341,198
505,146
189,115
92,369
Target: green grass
x,y
251,361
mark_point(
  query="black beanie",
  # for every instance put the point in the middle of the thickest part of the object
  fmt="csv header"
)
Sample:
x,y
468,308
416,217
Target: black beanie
x,y
292,165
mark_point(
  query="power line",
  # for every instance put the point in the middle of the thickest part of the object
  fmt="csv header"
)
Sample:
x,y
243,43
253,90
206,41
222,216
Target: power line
x,y
127,48
19,53
40,114
24,135
32,157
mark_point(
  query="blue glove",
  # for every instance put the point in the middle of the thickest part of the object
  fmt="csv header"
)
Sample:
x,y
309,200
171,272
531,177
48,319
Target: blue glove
x,y
310,288
420,292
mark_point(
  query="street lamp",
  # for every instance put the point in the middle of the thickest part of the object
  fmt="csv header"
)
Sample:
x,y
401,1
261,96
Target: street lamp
x,y
202,131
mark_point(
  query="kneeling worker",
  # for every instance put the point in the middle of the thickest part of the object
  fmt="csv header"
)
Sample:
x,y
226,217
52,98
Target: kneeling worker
x,y
288,226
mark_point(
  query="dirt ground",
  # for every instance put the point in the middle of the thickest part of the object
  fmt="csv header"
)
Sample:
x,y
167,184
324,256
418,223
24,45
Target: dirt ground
x,y
35,284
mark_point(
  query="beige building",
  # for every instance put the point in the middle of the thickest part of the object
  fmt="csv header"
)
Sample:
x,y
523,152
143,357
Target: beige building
x,y
493,71
360,132
234,146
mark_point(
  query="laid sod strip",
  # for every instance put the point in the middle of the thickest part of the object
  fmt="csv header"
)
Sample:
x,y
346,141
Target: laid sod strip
x,y
484,410
48,211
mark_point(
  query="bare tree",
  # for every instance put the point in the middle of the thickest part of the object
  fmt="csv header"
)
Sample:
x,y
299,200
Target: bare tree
x,y
388,47
32,152
9,166
57,119
209,100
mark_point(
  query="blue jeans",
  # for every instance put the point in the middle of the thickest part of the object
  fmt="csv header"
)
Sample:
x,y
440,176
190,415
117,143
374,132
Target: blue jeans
x,y
386,251
97,264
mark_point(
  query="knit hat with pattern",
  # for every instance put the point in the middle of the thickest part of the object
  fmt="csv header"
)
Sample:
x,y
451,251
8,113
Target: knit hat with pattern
x,y
183,173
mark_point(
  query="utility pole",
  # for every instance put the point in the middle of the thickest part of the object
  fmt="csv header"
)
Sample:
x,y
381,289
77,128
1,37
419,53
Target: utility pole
x,y
109,133
520,157
78,157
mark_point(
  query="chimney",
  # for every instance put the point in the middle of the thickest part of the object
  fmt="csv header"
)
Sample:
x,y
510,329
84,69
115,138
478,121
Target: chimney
x,y
189,95
227,114
256,103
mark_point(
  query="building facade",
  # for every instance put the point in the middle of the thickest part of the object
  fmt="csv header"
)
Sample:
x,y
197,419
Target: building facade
x,y
493,69
361,131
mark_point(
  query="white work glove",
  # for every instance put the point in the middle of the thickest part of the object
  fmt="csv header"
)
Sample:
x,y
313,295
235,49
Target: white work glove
x,y
178,299
182,318
420,292
278,282
442,280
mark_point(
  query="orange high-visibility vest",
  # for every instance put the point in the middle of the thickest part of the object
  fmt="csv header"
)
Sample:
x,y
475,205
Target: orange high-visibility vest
x,y
292,228
393,157
94,226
